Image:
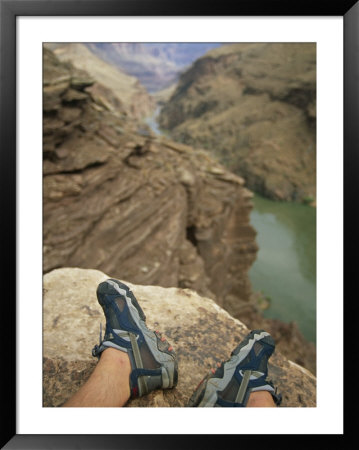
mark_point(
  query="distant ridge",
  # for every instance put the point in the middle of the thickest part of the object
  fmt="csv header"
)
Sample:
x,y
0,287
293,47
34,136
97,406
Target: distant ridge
x,y
253,106
156,65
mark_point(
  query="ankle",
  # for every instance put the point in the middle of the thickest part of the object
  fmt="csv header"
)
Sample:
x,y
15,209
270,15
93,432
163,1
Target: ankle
x,y
260,399
117,357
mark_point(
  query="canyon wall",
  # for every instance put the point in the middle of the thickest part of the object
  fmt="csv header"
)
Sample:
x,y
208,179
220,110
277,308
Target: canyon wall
x,y
139,207
253,106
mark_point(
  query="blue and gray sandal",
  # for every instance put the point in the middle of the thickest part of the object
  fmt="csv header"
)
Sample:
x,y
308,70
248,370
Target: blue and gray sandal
x,y
153,361
245,372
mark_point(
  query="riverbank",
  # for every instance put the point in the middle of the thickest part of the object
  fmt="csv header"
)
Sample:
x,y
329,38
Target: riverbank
x,y
284,272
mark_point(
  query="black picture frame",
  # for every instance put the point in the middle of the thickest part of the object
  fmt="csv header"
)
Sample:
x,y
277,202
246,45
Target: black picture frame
x,y
9,10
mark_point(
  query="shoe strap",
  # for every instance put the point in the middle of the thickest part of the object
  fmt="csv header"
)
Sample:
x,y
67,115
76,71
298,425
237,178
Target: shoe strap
x,y
243,387
138,375
244,391
137,363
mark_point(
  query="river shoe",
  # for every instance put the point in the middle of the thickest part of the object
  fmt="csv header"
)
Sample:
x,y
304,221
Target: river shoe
x,y
153,361
245,372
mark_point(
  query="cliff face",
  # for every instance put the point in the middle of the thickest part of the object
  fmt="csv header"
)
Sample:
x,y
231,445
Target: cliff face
x,y
142,208
112,84
253,106
200,331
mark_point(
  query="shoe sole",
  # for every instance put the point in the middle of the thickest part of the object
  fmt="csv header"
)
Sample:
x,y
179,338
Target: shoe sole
x,y
211,385
168,361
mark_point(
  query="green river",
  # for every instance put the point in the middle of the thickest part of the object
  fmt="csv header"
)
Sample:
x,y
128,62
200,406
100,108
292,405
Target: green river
x,y
285,268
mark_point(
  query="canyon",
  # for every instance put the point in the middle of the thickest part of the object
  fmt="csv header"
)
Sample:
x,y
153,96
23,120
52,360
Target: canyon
x,y
143,208
253,107
140,207
156,66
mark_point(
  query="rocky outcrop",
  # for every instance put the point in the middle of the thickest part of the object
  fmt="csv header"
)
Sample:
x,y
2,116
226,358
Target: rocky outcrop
x,y
253,106
145,209
113,88
200,331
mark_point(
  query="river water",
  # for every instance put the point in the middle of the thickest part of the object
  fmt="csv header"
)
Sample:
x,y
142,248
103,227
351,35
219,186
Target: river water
x,y
151,121
285,268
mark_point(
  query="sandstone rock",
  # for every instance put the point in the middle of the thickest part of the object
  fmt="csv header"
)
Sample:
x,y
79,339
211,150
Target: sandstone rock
x,y
69,115
52,99
140,201
113,89
200,331
81,80
54,72
72,95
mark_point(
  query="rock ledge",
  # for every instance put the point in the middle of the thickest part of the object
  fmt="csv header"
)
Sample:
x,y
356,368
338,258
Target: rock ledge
x,y
200,331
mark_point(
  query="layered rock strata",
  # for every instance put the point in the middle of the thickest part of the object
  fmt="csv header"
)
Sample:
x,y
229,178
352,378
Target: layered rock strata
x,y
200,331
145,209
253,106
113,86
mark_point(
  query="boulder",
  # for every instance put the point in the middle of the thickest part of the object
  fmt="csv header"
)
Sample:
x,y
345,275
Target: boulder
x,y
200,331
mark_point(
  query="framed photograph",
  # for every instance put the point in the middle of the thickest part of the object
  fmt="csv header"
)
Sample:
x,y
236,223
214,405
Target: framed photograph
x,y
25,27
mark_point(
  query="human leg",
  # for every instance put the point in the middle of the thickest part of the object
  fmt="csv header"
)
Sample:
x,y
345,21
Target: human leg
x,y
108,384
242,379
262,399
135,359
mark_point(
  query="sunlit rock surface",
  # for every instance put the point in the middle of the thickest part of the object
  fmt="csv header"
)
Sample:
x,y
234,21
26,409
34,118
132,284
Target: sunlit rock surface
x,y
200,331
